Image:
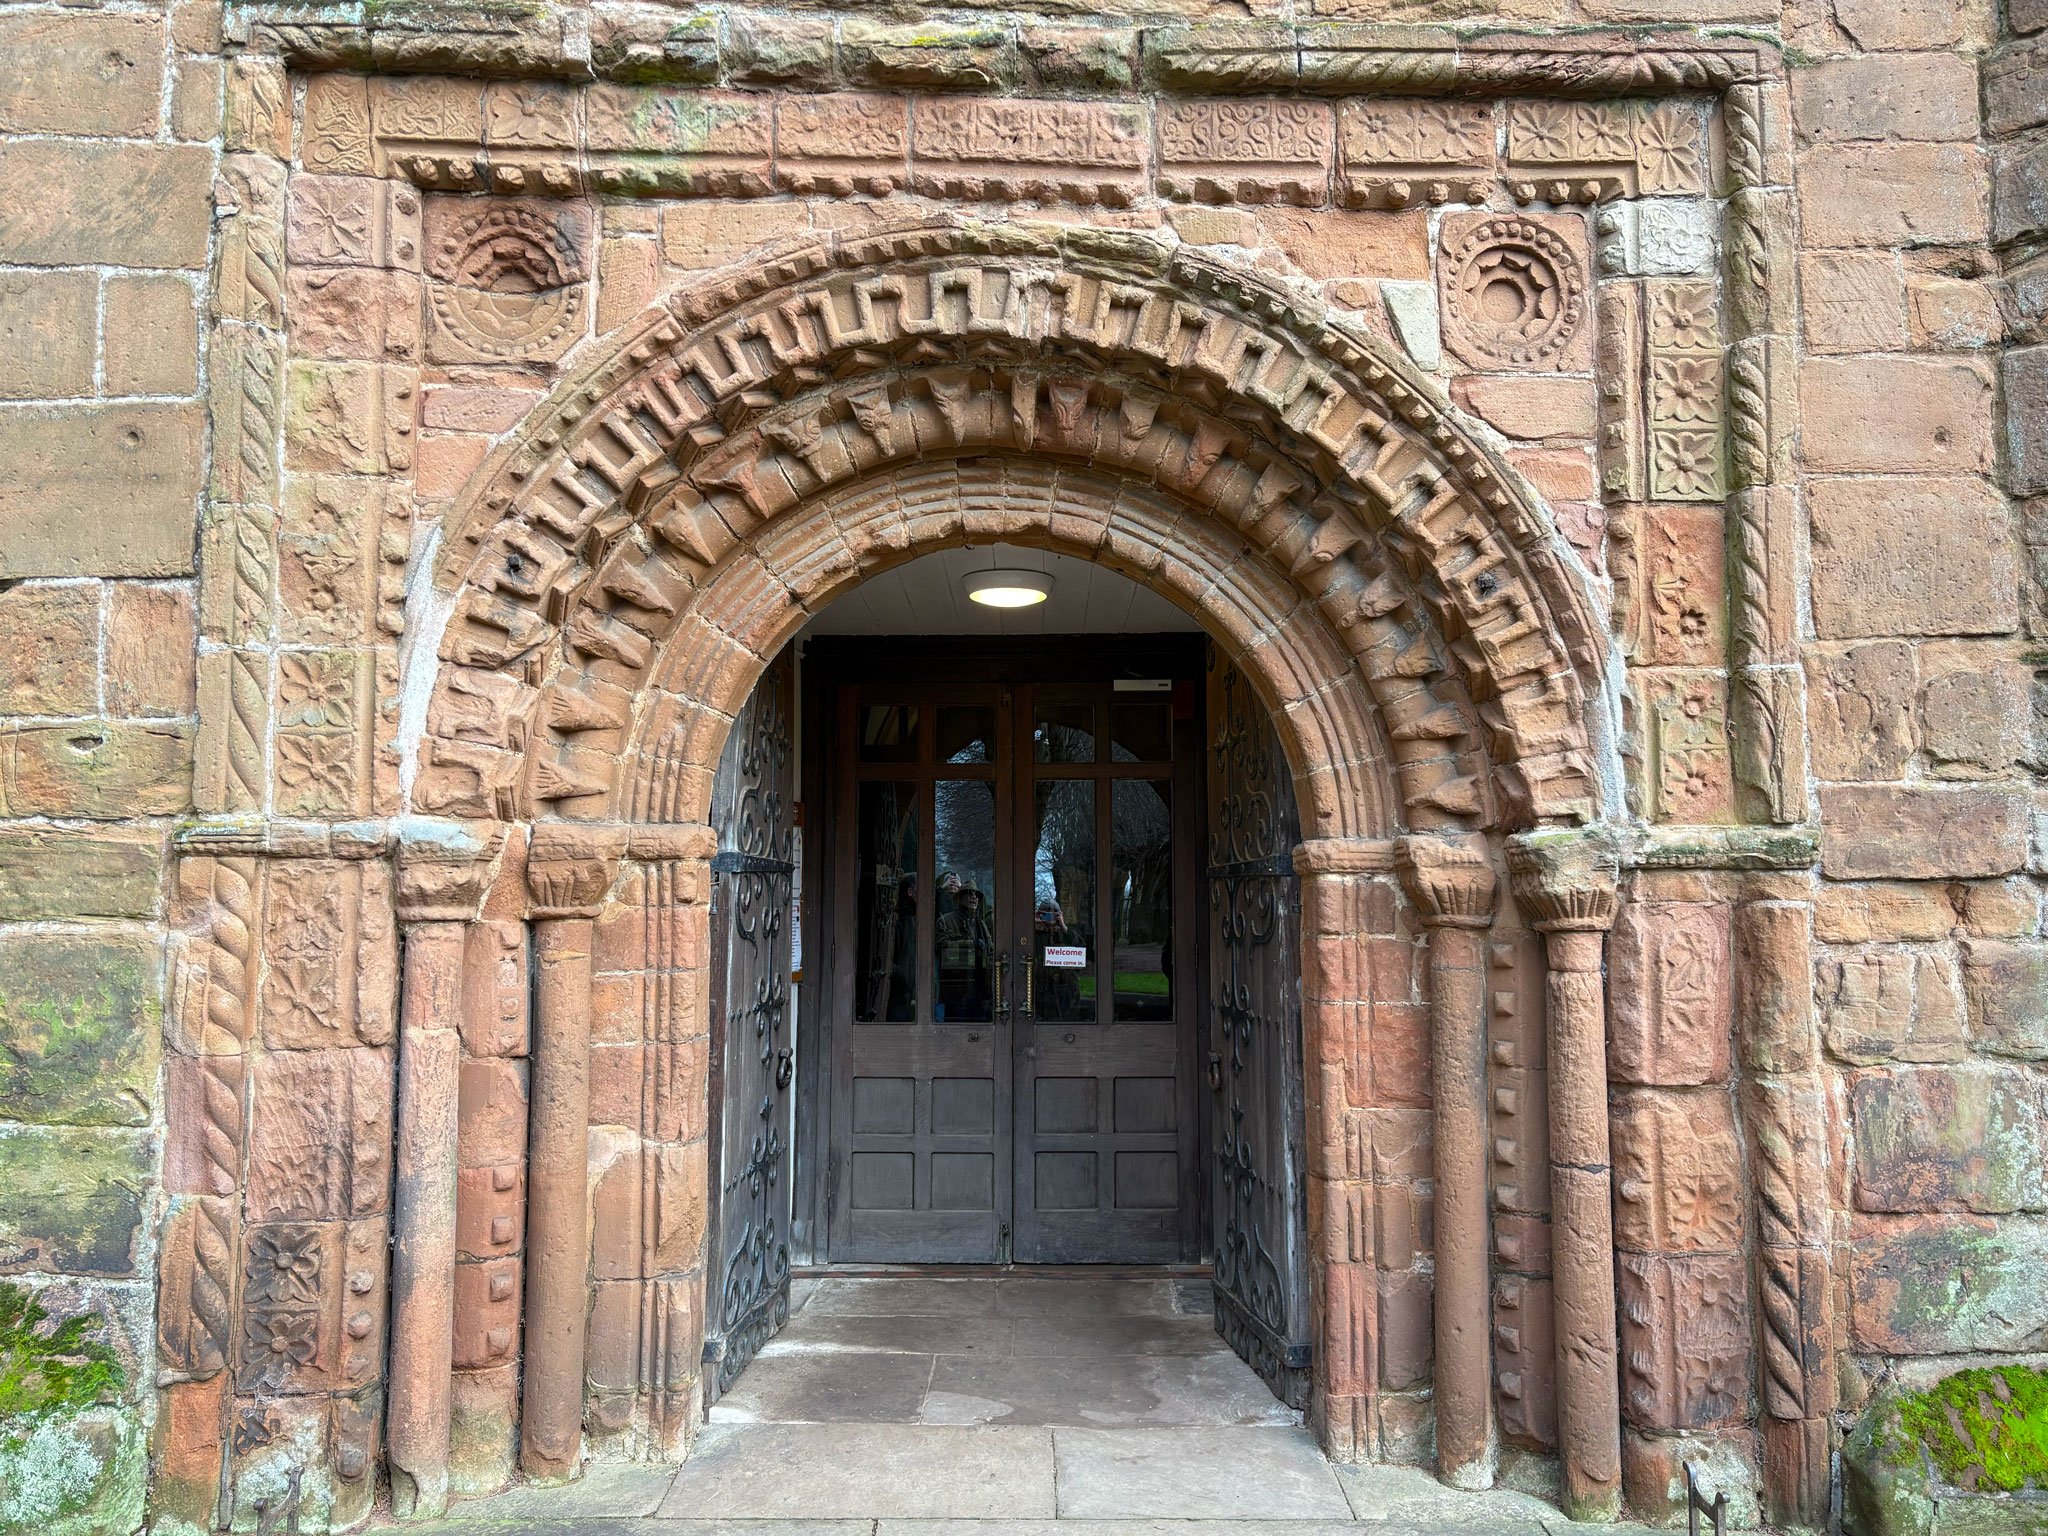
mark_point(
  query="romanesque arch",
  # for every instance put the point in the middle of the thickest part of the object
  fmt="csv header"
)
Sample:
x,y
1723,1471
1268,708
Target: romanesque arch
x,y
610,589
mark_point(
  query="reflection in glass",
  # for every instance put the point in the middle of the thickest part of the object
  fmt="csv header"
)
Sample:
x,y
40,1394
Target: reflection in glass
x,y
1064,733
1140,733
967,733
888,733
1141,900
885,934
963,944
1063,897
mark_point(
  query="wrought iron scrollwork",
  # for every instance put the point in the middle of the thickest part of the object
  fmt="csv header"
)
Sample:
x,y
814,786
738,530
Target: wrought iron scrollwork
x,y
1260,1289
754,869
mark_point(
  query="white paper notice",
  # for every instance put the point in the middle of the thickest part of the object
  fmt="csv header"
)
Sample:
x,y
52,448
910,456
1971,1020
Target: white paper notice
x,y
1066,957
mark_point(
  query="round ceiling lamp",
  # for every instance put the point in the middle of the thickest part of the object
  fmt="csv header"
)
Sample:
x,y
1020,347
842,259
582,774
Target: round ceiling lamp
x,y
1004,588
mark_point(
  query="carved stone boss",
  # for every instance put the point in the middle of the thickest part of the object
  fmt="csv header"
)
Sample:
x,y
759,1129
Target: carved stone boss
x,y
1452,882
1565,885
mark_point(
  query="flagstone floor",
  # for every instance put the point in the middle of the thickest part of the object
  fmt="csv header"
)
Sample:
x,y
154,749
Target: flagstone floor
x,y
1002,1406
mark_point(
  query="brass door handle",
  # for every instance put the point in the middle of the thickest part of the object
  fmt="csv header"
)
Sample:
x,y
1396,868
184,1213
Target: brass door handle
x,y
1002,975
1030,973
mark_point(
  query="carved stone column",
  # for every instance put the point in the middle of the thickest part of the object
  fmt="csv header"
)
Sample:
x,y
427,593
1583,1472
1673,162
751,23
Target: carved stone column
x,y
1783,1112
1453,884
1565,885
568,871
439,884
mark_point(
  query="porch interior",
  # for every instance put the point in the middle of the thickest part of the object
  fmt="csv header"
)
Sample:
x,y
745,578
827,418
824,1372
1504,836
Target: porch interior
x,y
1009,1403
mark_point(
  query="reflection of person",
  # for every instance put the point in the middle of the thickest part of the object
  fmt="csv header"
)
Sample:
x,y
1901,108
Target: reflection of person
x,y
1059,987
966,954
903,954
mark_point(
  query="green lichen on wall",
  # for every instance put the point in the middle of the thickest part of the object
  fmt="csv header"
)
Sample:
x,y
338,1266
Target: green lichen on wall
x,y
71,1460
1987,1430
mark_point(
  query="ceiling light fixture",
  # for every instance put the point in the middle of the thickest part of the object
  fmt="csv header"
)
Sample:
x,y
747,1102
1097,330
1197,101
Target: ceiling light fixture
x,y
1008,588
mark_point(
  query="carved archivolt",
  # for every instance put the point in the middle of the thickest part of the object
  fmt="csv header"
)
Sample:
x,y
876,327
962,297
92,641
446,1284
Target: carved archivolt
x,y
633,515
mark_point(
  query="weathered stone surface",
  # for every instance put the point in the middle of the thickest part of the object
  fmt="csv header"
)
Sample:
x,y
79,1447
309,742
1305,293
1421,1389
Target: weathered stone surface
x,y
46,873
105,770
1912,832
71,1201
2007,988
1896,414
1668,1007
152,644
48,326
1944,1138
85,74
143,205
79,1026
152,338
99,490
1891,1004
49,641
1927,557
1938,1285
1860,710
1893,194
1887,96
1860,914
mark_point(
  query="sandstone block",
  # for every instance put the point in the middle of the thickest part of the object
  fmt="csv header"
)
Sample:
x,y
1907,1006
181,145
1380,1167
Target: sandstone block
x,y
152,646
1973,715
1921,832
1883,913
1854,301
1902,23
1920,96
1964,1137
49,649
1905,415
2024,373
1860,710
136,205
1950,314
1381,246
2007,988
1893,194
2019,192
1911,557
1945,1284
46,874
977,148
2000,909
48,325
71,1199
1891,1005
152,331
1530,406
709,234
79,1026
106,490
92,75
102,770
467,408
1668,1001
1239,151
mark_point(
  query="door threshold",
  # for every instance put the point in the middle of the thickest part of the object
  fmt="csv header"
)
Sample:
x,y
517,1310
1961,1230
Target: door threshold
x,y
994,1271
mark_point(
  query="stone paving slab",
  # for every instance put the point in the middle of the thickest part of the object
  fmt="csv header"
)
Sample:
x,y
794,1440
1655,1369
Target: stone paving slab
x,y
840,1471
605,1490
1195,1474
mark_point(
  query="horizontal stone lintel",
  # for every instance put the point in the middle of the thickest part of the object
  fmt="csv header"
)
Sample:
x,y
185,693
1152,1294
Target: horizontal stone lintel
x,y
556,41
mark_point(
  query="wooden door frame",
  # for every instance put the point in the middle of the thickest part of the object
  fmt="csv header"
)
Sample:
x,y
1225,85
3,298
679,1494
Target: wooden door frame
x,y
825,663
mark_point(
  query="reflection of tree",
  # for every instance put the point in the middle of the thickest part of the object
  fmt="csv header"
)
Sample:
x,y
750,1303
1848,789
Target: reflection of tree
x,y
888,902
1141,828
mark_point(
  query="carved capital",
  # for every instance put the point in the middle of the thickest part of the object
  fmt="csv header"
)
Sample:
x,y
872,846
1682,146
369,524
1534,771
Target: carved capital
x,y
569,867
1565,881
443,868
1450,879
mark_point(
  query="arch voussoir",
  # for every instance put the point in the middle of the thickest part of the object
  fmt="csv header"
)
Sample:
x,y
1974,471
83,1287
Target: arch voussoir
x,y
1111,394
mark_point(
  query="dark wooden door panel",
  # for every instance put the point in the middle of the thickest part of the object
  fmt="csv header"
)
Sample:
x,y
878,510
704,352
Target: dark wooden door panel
x,y
753,812
1260,1185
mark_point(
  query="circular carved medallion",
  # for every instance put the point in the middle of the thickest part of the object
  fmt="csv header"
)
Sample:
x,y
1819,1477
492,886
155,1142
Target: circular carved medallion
x,y
1514,293
512,286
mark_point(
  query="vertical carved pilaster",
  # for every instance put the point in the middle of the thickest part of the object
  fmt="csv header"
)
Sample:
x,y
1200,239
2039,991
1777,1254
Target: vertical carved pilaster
x,y
1565,883
568,871
1453,883
439,884
1782,1110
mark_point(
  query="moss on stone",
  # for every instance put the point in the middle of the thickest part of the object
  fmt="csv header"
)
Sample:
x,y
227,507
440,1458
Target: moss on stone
x,y
1986,1430
48,1371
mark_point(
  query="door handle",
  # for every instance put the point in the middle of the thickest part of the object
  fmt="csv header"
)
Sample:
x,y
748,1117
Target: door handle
x,y
1002,977
1030,972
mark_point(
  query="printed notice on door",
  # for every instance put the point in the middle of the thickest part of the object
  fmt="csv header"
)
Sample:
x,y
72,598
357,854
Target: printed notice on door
x,y
1066,957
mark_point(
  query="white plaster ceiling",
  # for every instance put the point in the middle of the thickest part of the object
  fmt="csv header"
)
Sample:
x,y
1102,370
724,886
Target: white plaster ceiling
x,y
928,596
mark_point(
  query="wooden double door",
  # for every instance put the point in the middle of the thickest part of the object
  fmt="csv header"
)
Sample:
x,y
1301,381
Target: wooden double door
x,y
1010,1008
